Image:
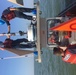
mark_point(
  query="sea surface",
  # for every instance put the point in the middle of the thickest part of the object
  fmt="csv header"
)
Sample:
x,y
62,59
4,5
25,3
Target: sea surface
x,y
51,64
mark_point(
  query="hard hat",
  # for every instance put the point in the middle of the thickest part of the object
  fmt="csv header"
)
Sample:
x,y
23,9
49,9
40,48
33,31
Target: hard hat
x,y
2,22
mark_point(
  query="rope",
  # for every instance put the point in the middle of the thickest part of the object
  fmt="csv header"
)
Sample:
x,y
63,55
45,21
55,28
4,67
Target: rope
x,y
5,58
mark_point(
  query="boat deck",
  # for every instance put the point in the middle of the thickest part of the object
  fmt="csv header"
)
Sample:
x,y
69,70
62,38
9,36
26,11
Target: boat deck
x,y
38,34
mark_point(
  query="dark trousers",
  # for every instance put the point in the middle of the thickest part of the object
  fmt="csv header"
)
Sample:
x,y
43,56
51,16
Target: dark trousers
x,y
16,44
19,13
72,49
25,9
64,42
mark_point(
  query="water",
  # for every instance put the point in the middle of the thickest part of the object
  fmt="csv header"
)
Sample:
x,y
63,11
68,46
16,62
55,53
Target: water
x,y
51,64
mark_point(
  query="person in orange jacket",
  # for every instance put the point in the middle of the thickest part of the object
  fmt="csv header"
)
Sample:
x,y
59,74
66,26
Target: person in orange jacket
x,y
68,53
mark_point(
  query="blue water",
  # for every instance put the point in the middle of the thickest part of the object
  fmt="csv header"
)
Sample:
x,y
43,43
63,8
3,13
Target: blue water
x,y
51,64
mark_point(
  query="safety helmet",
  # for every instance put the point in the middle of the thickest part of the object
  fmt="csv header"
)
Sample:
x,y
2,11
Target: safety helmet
x,y
2,22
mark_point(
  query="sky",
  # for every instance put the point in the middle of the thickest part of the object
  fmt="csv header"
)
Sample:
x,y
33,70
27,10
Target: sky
x,y
16,66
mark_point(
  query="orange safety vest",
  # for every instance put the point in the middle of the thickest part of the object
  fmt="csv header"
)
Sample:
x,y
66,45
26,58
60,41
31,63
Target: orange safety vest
x,y
69,57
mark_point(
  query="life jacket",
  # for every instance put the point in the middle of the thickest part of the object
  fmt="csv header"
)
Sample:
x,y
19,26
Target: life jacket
x,y
8,15
69,57
8,43
68,35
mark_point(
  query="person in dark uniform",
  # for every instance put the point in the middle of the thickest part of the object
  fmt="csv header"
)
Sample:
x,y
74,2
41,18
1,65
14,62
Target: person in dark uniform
x,y
9,43
10,13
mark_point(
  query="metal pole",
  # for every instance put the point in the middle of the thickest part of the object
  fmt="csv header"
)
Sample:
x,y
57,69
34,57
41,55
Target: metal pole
x,y
5,58
13,34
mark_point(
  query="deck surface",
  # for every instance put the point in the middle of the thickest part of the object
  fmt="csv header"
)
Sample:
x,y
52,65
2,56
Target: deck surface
x,y
38,34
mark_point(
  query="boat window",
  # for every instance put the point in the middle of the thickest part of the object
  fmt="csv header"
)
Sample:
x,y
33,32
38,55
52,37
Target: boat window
x,y
52,36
